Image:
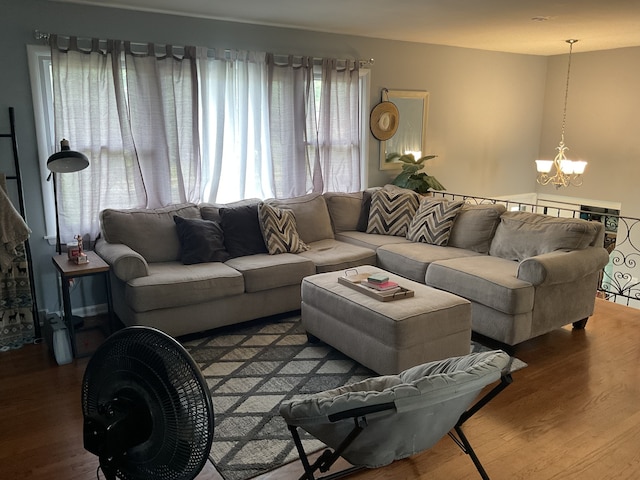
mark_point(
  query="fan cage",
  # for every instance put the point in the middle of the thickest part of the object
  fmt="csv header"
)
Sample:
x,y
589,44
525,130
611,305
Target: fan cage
x,y
164,373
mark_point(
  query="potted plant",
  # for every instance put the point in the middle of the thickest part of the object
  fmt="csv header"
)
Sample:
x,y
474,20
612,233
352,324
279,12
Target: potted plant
x,y
410,178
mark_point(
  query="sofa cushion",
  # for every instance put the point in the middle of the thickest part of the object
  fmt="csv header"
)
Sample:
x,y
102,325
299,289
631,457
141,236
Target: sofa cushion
x,y
150,232
172,284
522,235
200,241
278,227
433,220
369,240
312,216
391,211
242,233
211,211
266,272
344,210
411,260
475,225
490,281
331,255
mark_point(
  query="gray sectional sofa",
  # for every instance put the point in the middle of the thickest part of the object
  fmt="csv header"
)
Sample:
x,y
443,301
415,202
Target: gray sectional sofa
x,y
525,274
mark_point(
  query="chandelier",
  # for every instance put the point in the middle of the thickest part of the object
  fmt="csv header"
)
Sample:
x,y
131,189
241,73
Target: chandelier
x,y
562,172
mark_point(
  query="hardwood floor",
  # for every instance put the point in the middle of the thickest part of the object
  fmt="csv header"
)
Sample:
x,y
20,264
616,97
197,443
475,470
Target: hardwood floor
x,y
573,413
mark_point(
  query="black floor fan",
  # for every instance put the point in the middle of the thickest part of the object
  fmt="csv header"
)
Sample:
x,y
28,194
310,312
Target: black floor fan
x,y
146,406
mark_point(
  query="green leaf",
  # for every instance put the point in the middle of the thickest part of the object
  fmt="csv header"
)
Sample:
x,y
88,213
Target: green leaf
x,y
411,168
425,158
433,183
402,179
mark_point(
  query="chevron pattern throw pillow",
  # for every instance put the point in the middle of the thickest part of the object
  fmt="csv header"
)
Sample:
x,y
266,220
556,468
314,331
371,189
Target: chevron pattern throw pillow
x,y
279,230
433,221
391,211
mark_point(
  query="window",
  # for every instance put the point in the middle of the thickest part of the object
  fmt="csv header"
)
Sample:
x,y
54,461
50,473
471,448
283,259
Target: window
x,y
231,146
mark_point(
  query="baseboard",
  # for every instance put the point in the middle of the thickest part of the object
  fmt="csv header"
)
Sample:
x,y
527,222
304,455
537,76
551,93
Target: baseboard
x,y
86,311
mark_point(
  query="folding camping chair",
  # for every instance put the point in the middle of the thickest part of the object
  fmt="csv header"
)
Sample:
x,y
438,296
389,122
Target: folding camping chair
x,y
376,421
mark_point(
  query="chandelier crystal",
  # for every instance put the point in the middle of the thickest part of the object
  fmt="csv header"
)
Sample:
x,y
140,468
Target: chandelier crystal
x,y
562,172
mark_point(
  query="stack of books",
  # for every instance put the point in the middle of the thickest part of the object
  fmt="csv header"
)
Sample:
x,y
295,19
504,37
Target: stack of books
x,y
375,285
381,282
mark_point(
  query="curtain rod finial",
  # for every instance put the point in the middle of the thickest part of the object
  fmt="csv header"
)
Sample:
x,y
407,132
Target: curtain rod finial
x,y
38,35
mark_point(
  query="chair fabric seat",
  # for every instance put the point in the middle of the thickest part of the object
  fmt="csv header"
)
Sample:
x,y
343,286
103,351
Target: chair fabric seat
x,y
427,400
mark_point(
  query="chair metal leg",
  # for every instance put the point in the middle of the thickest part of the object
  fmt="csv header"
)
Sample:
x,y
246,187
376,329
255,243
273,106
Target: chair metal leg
x,y
308,471
461,440
466,447
328,457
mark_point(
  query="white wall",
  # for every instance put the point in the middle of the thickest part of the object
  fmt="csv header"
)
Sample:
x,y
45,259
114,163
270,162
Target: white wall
x,y
602,123
485,113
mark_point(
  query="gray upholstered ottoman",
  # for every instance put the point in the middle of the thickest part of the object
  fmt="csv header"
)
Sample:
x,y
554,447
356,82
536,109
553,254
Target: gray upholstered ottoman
x,y
386,337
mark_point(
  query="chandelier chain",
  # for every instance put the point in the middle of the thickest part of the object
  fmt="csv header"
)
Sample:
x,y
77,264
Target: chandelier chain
x,y
566,89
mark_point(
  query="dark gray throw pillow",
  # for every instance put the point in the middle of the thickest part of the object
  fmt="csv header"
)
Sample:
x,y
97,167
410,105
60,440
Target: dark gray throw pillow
x,y
200,241
363,219
242,233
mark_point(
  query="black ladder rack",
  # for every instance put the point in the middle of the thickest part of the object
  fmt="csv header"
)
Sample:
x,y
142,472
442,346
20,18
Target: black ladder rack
x,y
18,178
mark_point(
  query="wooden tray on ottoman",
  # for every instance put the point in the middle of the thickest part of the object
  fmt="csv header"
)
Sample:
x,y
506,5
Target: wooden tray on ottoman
x,y
380,295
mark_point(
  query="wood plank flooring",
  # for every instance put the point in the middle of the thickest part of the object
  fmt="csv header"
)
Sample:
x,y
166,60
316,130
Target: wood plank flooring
x,y
573,413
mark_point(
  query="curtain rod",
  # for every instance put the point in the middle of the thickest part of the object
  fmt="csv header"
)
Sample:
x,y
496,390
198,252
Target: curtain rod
x,y
38,35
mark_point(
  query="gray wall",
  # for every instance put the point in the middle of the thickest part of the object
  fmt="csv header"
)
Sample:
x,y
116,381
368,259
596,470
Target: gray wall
x,y
487,110
602,123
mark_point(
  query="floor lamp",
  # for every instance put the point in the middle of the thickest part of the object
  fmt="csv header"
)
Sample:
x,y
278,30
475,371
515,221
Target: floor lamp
x,y
64,161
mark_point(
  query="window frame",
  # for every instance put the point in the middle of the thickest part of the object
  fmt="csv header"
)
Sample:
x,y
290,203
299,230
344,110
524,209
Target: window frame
x,y
39,60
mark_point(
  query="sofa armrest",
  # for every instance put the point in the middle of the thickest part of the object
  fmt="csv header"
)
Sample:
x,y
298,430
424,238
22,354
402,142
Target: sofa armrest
x,y
125,262
562,266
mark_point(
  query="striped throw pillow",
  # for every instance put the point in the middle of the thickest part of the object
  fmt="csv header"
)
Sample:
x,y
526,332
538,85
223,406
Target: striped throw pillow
x,y
433,221
279,230
391,211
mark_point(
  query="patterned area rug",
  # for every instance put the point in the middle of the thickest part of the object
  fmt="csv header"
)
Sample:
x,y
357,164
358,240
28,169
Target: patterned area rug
x,y
253,367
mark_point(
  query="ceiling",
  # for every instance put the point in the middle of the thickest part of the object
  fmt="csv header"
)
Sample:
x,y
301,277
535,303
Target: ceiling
x,y
538,27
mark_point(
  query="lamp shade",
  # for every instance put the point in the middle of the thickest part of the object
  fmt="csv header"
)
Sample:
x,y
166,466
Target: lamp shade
x,y
579,166
67,160
544,166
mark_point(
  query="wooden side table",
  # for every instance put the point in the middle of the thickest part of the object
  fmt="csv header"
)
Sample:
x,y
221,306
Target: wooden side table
x,y
68,270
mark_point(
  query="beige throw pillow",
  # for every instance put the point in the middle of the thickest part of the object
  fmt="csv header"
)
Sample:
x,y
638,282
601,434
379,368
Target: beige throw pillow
x,y
522,235
475,226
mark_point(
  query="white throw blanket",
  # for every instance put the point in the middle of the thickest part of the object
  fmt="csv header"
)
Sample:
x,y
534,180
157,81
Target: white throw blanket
x,y
13,229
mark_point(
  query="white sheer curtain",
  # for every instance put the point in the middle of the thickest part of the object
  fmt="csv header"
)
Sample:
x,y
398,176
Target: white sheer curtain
x,y
235,125
339,126
269,128
135,117
292,107
162,94
315,127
